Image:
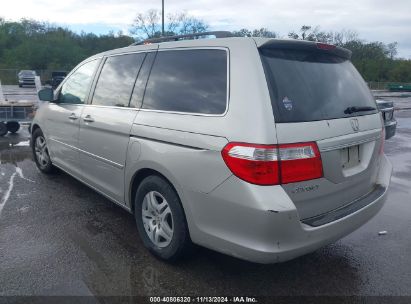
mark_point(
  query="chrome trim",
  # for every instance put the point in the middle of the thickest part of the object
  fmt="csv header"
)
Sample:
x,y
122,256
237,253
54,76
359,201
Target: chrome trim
x,y
111,107
352,143
102,159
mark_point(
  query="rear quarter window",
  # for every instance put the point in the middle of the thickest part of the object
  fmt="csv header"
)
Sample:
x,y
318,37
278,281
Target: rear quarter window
x,y
190,81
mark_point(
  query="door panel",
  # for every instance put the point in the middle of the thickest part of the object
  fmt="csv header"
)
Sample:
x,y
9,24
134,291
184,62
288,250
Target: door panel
x,y
63,125
63,120
103,141
106,123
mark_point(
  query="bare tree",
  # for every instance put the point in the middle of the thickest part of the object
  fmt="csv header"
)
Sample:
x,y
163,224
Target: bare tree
x,y
243,33
310,33
262,32
304,29
148,25
293,35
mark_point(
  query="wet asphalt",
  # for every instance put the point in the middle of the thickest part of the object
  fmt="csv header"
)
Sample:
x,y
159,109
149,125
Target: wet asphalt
x,y
58,237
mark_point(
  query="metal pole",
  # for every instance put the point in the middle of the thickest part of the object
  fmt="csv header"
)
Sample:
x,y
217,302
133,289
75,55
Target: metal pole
x,y
162,17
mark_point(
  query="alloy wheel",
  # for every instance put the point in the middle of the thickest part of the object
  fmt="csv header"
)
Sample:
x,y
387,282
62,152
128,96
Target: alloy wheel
x,y
157,219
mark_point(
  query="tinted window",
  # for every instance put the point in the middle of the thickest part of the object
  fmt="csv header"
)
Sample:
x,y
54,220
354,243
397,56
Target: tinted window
x,y
192,81
141,81
76,87
308,86
117,79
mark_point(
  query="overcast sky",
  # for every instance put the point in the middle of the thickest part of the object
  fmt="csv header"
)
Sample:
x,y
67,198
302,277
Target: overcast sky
x,y
374,20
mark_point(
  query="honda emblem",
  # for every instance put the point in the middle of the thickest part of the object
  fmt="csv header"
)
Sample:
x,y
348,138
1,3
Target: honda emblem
x,y
355,124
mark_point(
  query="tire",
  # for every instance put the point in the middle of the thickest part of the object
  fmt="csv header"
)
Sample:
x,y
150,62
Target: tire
x,y
20,85
40,152
3,129
169,238
13,126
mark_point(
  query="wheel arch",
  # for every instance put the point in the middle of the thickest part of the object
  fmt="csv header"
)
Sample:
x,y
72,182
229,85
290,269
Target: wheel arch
x,y
34,127
140,175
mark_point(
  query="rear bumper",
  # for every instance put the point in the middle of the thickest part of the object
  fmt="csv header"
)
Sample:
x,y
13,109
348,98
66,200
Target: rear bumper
x,y
261,224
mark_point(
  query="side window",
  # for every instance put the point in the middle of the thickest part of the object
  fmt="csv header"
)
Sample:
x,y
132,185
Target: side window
x,y
192,81
117,79
140,86
76,87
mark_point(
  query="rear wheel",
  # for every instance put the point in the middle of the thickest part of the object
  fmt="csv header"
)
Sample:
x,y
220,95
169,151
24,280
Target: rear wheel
x,y
41,152
13,126
3,129
160,219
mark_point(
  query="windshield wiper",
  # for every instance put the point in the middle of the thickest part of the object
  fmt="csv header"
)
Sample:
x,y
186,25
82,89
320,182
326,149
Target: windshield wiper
x,y
351,110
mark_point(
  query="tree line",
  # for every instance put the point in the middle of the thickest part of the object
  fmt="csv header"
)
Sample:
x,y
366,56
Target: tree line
x,y
29,44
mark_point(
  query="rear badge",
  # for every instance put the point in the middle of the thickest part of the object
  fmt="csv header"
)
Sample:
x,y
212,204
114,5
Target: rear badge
x,y
305,189
288,104
355,124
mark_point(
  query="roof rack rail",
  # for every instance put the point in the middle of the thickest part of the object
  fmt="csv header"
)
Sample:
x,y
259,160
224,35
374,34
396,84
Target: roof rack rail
x,y
217,34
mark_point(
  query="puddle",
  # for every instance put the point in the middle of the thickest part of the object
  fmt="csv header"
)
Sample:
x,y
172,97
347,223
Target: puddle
x,y
15,148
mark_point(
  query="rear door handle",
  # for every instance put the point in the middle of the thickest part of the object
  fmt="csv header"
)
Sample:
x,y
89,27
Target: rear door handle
x,y
73,116
88,118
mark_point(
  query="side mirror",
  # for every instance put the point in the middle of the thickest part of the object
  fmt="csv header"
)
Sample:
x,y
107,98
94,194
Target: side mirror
x,y
46,94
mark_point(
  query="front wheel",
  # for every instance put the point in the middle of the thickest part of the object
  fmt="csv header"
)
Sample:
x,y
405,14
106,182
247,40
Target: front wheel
x,y
41,153
160,219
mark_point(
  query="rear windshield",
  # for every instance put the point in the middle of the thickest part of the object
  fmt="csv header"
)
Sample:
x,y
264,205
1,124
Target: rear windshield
x,y
309,86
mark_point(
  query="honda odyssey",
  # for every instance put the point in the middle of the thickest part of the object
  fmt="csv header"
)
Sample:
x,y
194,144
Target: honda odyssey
x,y
262,149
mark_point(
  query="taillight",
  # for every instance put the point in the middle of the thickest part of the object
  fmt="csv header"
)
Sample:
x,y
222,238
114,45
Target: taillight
x,y
300,162
325,46
256,164
273,164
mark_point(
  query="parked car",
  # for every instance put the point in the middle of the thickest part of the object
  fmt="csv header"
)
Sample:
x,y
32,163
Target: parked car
x,y
26,78
262,149
387,109
56,78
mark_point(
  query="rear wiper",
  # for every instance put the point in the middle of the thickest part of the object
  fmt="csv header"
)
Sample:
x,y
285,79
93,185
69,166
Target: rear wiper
x,y
351,110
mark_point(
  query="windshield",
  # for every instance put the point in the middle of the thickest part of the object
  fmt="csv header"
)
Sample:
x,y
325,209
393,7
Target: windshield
x,y
308,86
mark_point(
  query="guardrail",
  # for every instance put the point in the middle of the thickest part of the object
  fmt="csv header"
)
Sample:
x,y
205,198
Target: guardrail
x,y
383,85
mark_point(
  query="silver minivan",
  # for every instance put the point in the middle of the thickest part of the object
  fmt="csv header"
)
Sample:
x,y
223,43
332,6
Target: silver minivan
x,y
262,149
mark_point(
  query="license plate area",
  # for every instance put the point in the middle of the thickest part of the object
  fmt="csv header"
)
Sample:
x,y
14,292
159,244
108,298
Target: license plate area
x,y
350,157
